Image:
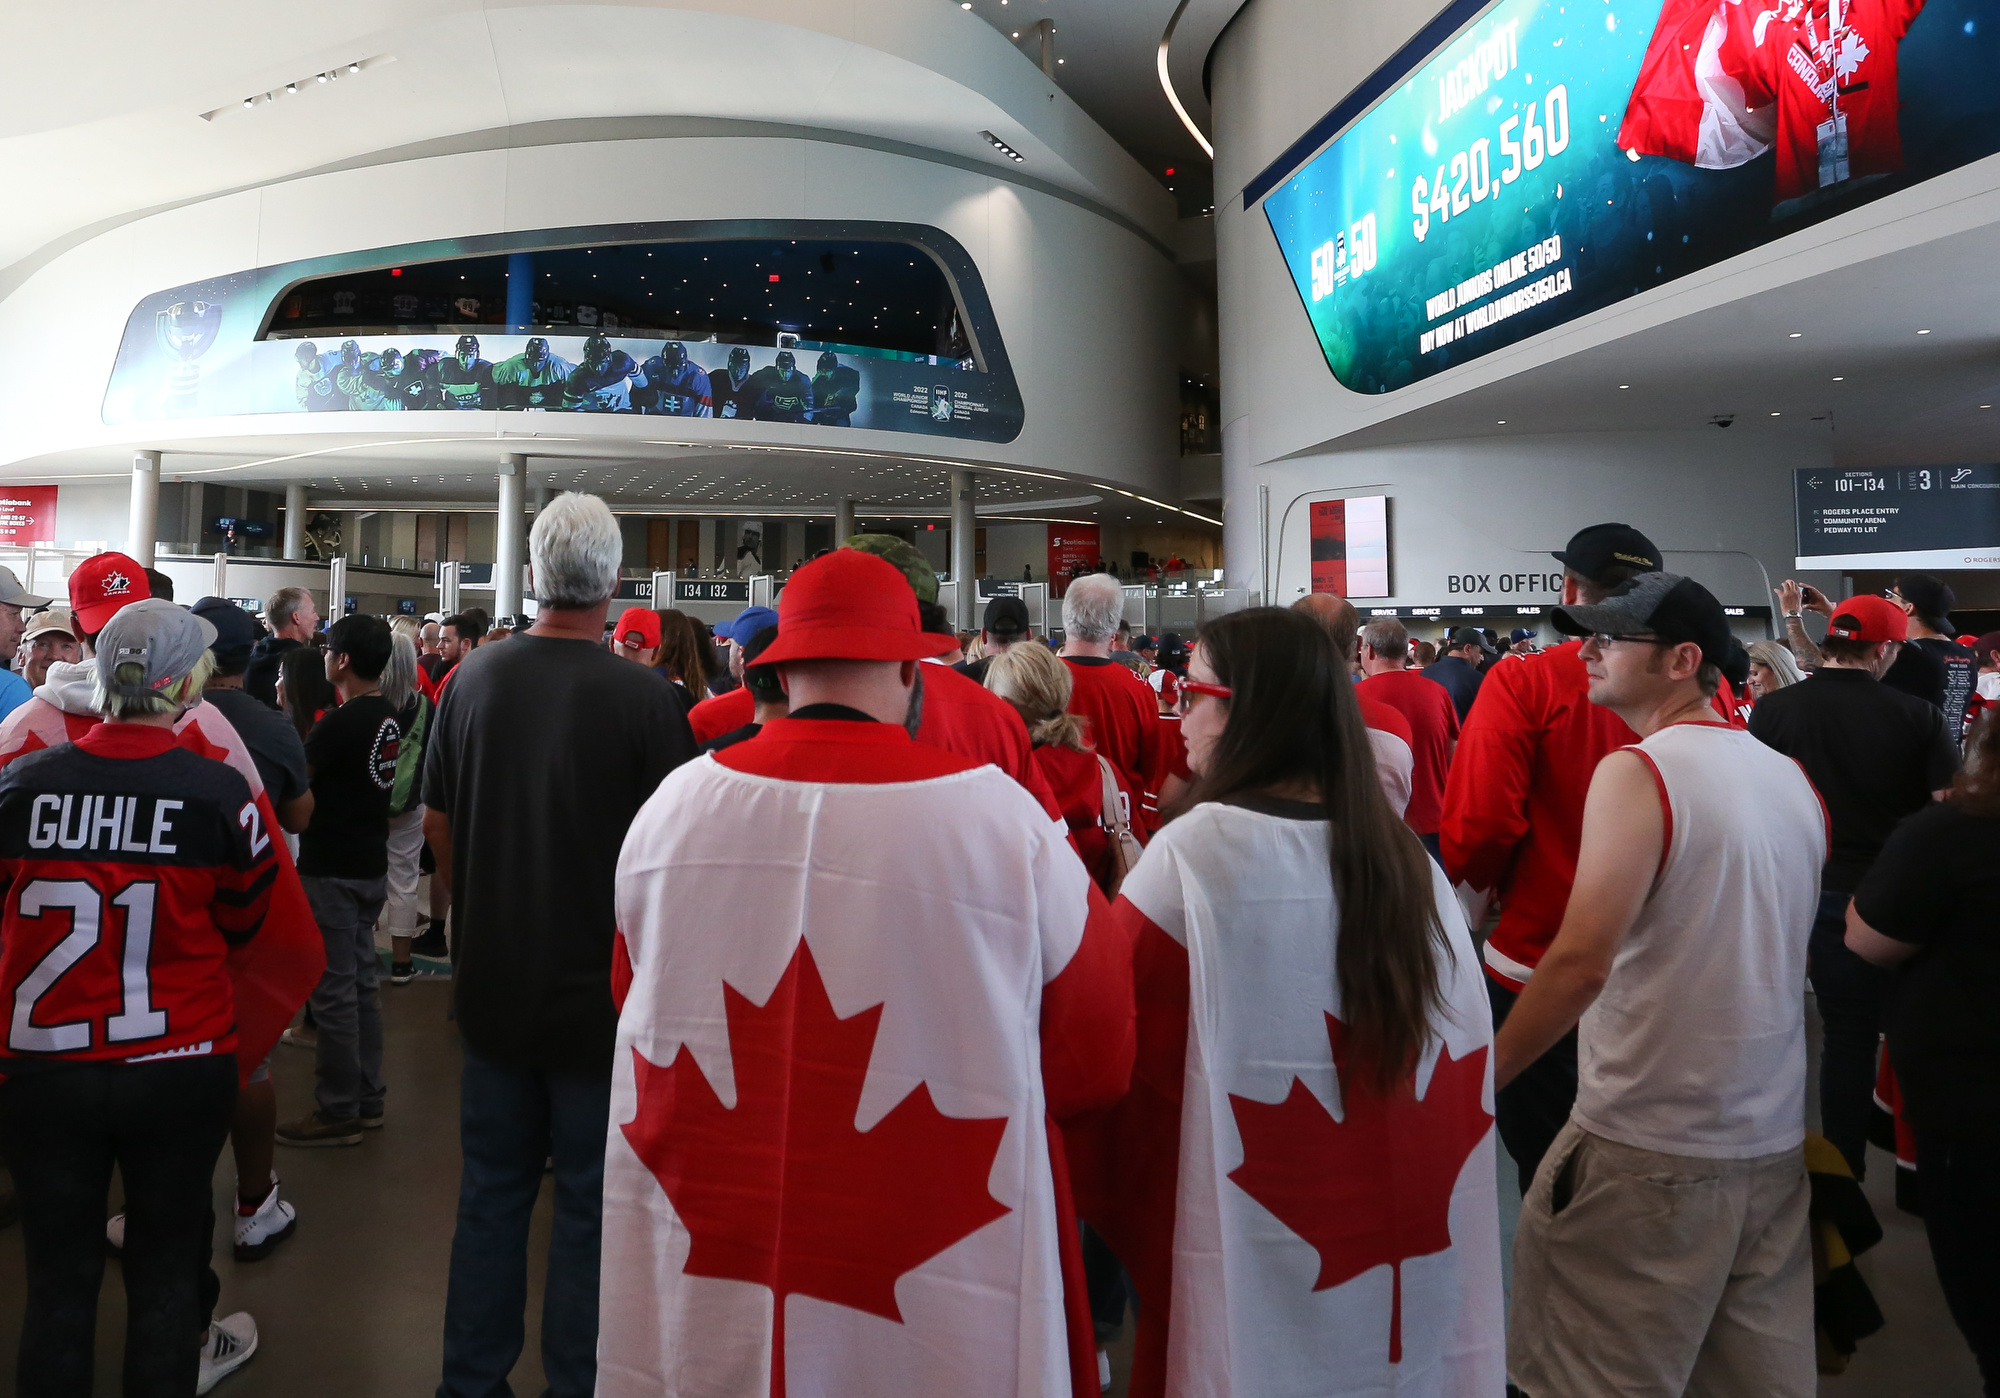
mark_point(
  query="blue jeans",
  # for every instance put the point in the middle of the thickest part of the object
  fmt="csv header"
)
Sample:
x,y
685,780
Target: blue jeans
x,y
1852,996
510,1121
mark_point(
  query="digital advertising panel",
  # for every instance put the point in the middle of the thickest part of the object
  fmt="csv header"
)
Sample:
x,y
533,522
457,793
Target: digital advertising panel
x,y
201,350
1907,517
27,514
1350,546
1554,157
1073,549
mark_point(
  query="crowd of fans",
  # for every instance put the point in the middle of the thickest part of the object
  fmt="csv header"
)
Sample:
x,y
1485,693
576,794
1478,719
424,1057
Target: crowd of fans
x,y
972,990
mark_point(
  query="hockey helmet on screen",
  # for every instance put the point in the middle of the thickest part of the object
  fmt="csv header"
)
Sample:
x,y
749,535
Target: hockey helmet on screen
x,y
467,350
596,351
739,361
306,353
673,354
536,351
787,361
828,361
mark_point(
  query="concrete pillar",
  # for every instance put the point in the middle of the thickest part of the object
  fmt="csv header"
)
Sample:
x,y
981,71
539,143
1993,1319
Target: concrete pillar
x,y
843,521
538,500
295,520
964,545
144,527
507,538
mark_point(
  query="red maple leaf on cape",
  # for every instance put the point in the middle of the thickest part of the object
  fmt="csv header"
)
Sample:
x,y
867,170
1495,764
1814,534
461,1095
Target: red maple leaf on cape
x,y
782,1190
1374,1187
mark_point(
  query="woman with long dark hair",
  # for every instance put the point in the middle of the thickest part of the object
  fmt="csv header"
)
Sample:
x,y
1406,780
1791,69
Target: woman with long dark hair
x,y
1301,1181
304,692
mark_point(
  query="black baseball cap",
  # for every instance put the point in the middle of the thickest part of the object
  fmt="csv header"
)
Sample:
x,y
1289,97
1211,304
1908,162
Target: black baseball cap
x,y
758,644
1736,665
1467,636
236,631
1932,599
1673,608
1595,551
1006,616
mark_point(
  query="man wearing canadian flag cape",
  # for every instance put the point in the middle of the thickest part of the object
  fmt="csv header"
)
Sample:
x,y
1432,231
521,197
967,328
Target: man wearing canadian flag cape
x,y
858,978
275,971
1724,81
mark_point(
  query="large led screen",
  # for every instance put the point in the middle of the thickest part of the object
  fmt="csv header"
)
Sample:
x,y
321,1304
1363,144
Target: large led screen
x,y
209,349
1558,156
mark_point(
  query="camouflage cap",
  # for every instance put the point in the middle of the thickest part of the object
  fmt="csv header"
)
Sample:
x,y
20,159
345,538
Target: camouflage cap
x,y
904,555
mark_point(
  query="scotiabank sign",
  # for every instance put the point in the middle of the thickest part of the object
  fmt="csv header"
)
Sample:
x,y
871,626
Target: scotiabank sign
x,y
1532,161
27,514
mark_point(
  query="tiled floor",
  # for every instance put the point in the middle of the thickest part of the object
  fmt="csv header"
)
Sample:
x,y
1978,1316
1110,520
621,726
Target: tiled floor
x,y
354,1304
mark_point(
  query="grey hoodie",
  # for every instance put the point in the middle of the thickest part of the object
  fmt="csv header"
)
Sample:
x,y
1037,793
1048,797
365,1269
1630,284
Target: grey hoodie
x,y
69,686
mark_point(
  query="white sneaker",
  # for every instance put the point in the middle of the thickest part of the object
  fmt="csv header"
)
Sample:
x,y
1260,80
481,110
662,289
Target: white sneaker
x,y
260,1231
114,1232
231,1342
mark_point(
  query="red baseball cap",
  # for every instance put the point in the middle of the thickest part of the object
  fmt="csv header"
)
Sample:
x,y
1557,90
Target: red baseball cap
x,y
638,628
102,584
1869,618
851,605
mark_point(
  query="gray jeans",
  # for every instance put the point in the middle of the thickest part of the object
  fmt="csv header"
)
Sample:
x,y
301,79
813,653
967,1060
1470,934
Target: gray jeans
x,y
346,1005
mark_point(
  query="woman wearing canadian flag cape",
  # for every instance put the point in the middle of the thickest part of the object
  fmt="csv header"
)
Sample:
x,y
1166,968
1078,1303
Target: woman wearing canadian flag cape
x,y
272,973
1301,1179
858,980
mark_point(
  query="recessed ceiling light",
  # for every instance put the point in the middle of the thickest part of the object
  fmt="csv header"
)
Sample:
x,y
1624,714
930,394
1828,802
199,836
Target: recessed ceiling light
x,y
1839,378
1501,422
1796,334
1923,332
1624,385
1776,414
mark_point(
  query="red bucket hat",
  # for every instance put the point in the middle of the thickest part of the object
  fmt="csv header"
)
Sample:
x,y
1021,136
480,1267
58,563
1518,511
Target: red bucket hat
x,y
103,583
851,605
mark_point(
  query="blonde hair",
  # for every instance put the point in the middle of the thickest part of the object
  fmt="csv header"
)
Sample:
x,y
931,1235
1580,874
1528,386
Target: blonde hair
x,y
1778,660
1037,684
183,693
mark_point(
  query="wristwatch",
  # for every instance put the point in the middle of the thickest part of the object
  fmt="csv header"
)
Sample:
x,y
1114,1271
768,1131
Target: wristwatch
x,y
1791,616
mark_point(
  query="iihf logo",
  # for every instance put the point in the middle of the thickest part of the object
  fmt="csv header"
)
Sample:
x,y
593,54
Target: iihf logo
x,y
116,584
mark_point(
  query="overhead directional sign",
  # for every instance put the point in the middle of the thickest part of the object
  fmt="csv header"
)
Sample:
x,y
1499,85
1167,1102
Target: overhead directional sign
x,y
1908,517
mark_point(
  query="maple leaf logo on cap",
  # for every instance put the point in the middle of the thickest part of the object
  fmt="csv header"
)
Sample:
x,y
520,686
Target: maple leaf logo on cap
x,y
116,584
1374,1187
781,1190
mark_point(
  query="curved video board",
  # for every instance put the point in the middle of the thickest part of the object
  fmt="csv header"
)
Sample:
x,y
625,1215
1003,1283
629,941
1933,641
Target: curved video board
x,y
1553,157
239,344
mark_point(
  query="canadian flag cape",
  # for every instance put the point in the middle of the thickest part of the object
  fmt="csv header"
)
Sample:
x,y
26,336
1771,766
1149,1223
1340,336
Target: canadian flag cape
x,y
1724,81
272,973
1288,1229
830,1168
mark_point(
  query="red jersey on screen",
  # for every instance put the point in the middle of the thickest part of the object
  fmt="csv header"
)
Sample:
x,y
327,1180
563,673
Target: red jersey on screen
x,y
1840,75
723,713
962,716
1513,804
1433,720
131,867
1124,721
1078,785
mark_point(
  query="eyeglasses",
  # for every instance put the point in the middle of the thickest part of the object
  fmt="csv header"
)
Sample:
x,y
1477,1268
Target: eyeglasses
x,y
1193,687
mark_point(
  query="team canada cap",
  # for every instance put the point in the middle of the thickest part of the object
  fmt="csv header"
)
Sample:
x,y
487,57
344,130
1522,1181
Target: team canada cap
x,y
1595,551
1006,616
638,628
1675,609
169,641
1869,618
851,605
102,584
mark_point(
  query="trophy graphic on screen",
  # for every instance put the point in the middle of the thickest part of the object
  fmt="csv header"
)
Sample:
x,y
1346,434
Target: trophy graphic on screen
x,y
941,403
186,329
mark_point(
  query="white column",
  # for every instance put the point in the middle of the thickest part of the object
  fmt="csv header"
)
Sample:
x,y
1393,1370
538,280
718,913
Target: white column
x,y
295,519
538,500
843,521
964,544
144,527
507,538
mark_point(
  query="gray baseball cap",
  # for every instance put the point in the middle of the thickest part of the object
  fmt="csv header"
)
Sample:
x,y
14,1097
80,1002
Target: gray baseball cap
x,y
12,594
168,640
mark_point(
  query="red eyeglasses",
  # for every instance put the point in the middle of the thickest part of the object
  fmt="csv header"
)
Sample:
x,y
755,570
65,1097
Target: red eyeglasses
x,y
1189,688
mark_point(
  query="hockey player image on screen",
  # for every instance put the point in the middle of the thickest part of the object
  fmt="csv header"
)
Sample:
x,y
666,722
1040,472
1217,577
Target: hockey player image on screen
x,y
673,385
416,383
312,381
836,390
532,379
781,393
602,383
465,381
372,385
732,389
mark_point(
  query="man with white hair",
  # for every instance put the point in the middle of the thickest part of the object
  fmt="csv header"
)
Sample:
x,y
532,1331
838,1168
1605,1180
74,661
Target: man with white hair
x,y
540,755
1124,720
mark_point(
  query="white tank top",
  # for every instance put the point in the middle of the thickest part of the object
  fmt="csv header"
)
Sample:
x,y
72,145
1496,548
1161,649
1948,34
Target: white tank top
x,y
1697,1045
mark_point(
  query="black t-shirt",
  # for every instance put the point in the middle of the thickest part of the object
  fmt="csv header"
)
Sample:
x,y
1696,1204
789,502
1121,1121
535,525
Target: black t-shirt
x,y
352,752
1460,680
1874,754
541,754
273,742
1937,884
1938,672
